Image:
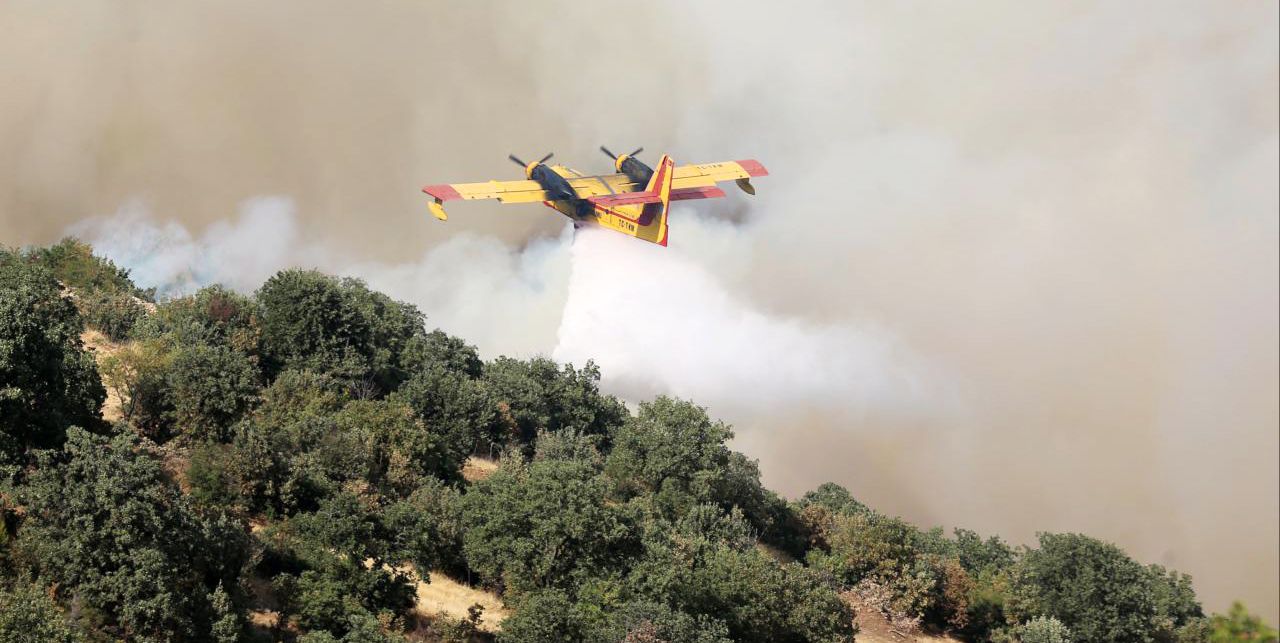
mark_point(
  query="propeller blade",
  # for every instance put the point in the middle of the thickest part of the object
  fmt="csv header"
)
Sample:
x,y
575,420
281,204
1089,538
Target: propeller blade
x,y
516,160
548,156
638,150
606,151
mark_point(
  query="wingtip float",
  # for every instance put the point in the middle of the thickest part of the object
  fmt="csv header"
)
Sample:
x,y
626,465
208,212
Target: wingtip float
x,y
634,201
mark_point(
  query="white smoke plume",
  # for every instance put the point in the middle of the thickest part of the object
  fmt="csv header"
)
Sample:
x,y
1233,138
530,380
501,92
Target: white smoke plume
x,y
1015,267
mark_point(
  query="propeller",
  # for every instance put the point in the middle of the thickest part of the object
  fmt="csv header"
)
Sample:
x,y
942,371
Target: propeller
x,y
515,159
615,156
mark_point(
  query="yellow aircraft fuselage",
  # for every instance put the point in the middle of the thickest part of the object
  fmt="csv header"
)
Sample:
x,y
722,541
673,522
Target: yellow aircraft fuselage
x,y
620,202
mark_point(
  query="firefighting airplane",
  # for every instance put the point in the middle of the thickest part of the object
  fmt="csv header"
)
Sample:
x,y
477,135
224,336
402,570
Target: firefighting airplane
x,y
634,201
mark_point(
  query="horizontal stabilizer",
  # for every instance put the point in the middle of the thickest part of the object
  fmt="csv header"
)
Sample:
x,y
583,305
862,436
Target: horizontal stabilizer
x,y
685,194
626,198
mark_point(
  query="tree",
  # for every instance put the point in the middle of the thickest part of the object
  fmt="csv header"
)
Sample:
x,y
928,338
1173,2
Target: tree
x,y
428,528
348,566
758,598
439,349
459,409
227,625
399,452
546,616
105,524
212,387
672,453
213,315
540,525
48,382
137,373
1091,586
113,313
541,395
317,322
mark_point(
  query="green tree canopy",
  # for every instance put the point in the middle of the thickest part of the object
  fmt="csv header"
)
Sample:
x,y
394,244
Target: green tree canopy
x,y
542,524
1097,591
105,524
48,382
540,395
337,326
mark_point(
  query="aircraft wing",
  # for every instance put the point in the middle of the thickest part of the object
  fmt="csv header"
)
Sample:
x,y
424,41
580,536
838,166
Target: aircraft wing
x,y
708,174
603,185
503,191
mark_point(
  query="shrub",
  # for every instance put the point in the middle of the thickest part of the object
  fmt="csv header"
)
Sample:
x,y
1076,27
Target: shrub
x,y
28,614
1044,629
1240,625
72,262
212,387
113,313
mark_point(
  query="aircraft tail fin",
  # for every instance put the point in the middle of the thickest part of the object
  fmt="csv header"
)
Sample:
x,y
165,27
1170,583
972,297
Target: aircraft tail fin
x,y
643,214
653,219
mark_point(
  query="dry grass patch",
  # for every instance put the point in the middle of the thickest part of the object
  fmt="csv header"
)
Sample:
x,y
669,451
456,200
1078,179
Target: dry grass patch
x,y
445,596
478,468
102,348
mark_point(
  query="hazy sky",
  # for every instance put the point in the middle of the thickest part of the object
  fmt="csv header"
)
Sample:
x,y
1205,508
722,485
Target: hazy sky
x,y
1015,266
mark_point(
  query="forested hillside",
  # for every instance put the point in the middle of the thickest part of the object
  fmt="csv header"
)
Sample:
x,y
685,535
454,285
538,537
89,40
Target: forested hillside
x,y
295,464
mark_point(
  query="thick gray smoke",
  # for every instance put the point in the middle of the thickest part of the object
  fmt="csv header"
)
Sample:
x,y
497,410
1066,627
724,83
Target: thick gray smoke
x,y
1015,268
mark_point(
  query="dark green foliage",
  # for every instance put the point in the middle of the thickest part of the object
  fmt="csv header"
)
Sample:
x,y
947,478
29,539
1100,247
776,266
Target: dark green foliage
x,y
28,615
107,527
48,382
227,625
980,556
540,395
72,262
397,451
597,526
675,456
339,564
316,322
834,498
1097,591
543,525
306,441
427,528
214,315
645,621
458,410
1175,602
758,598
271,465
439,349
113,313
211,388
547,616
